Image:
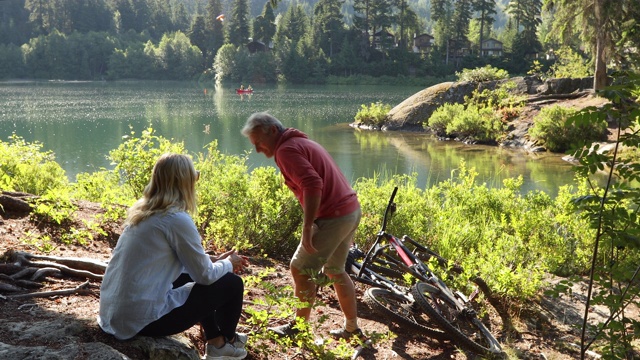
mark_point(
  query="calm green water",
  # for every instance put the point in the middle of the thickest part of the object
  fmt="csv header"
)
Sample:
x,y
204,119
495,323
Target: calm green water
x,y
82,121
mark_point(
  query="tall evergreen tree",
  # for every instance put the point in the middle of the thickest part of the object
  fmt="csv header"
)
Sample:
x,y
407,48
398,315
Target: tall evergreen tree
x,y
214,29
293,25
40,16
180,18
410,25
527,16
328,25
14,27
516,8
442,14
485,9
143,15
127,15
461,19
238,28
380,15
198,34
600,23
362,12
264,26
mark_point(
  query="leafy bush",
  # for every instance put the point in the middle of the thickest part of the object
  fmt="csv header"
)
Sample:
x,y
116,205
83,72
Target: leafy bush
x,y
485,230
373,115
135,157
552,130
508,239
480,124
499,98
442,117
569,64
249,211
486,73
27,168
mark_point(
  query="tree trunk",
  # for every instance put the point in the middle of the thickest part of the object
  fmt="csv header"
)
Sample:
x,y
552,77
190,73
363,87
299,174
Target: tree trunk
x,y
600,73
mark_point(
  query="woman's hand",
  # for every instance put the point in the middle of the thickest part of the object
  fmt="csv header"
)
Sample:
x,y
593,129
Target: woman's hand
x,y
239,262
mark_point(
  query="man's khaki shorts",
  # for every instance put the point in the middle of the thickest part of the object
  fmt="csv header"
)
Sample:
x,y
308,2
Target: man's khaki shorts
x,y
332,240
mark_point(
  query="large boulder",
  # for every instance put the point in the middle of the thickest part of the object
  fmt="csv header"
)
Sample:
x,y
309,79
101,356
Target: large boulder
x,y
414,111
564,86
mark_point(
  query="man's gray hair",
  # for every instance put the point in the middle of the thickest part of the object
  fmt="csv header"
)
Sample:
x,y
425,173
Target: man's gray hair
x,y
261,121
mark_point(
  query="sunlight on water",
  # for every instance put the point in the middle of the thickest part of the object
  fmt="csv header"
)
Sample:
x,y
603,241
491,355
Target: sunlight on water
x,y
82,121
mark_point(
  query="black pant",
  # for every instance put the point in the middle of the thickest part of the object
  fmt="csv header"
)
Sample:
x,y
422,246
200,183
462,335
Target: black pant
x,y
217,307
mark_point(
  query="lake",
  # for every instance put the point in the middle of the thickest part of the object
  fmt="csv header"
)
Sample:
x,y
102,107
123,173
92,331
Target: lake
x,y
82,121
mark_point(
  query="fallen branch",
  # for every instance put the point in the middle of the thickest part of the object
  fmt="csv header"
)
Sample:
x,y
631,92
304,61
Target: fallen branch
x,y
65,269
23,272
91,265
80,289
9,287
46,271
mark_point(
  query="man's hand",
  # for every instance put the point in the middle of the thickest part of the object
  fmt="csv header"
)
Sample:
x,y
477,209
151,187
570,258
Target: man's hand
x,y
307,241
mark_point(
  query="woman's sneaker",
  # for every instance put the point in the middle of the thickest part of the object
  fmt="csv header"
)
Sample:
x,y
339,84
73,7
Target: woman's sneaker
x,y
240,340
226,352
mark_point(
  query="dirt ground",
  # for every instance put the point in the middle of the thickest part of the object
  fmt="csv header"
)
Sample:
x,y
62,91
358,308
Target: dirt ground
x,y
543,329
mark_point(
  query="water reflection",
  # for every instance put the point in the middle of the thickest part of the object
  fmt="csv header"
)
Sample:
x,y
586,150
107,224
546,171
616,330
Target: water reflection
x,y
82,122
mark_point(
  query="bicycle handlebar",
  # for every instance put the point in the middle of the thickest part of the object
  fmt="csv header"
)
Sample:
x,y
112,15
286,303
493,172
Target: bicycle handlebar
x,y
390,208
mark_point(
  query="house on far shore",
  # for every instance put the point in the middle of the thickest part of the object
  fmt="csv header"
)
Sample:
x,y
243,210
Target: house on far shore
x,y
255,46
383,40
491,47
422,43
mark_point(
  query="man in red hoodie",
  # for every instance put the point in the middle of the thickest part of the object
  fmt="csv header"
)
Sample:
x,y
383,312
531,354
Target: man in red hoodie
x,y
331,215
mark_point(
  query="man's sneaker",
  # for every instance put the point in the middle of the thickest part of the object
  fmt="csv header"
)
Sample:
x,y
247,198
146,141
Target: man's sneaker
x,y
344,334
286,330
240,340
226,352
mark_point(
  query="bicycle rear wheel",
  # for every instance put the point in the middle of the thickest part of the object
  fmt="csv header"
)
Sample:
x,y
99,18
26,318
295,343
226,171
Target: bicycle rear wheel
x,y
464,328
402,310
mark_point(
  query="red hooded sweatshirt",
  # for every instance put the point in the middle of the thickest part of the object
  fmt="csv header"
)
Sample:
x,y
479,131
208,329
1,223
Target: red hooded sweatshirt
x,y
308,168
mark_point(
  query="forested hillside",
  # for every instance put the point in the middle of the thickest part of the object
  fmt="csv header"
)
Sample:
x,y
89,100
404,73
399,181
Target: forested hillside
x,y
311,41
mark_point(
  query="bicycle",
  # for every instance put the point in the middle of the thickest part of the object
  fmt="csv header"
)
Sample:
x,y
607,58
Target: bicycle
x,y
451,311
386,296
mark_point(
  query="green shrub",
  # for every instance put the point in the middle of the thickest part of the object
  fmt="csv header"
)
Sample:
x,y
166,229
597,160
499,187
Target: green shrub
x,y
480,124
373,115
486,73
249,211
551,129
27,168
499,98
569,64
442,117
508,239
135,157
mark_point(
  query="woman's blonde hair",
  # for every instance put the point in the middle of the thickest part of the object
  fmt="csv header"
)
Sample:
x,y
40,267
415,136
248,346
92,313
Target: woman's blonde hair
x,y
171,188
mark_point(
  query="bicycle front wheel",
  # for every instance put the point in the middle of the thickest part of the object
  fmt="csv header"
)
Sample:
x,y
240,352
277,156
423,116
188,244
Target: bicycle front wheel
x,y
464,328
402,310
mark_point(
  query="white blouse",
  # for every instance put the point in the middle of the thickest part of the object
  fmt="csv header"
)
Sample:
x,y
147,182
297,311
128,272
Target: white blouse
x,y
137,286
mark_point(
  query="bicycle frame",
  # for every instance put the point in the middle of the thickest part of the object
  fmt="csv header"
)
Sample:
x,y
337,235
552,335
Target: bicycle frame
x,y
411,264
